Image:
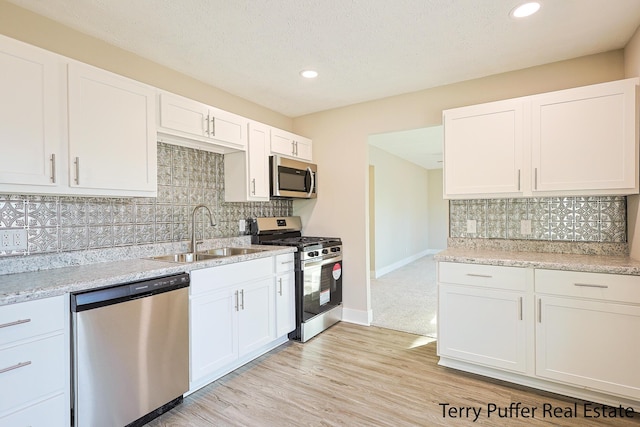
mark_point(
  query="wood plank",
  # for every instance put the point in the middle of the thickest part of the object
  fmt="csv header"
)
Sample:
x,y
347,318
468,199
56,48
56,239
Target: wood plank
x,y
354,375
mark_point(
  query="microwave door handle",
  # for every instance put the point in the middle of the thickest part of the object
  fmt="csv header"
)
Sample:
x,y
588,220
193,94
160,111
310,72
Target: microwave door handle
x,y
313,182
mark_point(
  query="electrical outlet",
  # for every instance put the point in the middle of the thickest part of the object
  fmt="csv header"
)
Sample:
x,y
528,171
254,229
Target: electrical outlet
x,y
525,227
12,240
471,226
241,225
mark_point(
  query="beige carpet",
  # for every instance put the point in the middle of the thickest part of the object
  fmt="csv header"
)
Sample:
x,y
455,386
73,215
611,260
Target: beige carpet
x,y
406,299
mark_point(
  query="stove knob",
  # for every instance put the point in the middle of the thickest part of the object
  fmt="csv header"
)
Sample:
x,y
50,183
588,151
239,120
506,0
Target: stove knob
x,y
325,251
316,253
334,249
311,254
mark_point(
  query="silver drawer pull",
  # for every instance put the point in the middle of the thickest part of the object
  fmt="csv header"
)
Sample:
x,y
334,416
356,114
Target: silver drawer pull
x,y
587,285
11,368
17,322
479,275
286,262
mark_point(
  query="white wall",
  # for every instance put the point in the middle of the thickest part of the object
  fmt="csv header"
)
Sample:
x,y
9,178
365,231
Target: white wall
x,y
401,193
438,212
632,69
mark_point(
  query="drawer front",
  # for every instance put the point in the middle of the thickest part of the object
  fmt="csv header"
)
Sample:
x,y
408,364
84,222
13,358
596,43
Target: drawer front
x,y
209,279
601,286
32,370
284,263
28,319
490,276
48,413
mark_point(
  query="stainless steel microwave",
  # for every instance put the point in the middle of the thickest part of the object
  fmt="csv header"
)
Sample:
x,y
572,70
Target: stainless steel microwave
x,y
292,179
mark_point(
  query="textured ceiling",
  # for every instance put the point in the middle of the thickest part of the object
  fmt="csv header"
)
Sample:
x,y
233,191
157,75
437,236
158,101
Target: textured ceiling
x,y
363,49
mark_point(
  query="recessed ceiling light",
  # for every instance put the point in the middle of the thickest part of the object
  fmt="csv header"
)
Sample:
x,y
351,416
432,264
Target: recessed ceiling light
x,y
524,10
309,74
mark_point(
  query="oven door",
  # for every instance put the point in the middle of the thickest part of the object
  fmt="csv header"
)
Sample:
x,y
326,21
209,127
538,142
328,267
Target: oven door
x,y
322,286
292,179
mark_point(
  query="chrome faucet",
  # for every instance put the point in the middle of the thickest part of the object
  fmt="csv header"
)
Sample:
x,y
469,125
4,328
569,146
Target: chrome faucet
x,y
194,243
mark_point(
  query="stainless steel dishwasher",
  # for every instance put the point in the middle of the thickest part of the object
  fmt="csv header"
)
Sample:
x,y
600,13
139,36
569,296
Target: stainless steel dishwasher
x,y
130,360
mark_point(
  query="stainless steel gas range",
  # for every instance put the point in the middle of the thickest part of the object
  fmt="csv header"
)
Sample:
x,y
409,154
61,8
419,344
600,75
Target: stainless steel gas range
x,y
318,273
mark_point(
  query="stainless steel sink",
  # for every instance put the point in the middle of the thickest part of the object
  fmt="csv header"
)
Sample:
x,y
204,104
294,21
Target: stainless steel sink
x,y
220,252
185,257
205,255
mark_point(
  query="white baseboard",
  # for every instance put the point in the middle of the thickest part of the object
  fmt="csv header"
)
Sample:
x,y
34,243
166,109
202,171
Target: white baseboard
x,y
408,260
359,317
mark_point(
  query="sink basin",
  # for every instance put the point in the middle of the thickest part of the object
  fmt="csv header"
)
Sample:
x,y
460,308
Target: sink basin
x,y
230,251
185,257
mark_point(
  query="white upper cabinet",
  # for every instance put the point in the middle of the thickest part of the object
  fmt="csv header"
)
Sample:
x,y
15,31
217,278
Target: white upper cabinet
x,y
290,145
112,129
585,139
68,128
32,106
581,141
197,125
246,174
483,149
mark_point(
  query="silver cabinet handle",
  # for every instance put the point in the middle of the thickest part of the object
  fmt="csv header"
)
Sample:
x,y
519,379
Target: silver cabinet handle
x,y
77,163
17,322
242,299
237,302
587,285
518,179
253,183
296,148
539,310
280,282
535,178
213,126
207,120
16,366
479,275
293,148
286,262
53,168
520,314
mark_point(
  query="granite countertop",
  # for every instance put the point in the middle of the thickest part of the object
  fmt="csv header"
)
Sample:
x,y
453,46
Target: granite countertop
x,y
25,286
613,264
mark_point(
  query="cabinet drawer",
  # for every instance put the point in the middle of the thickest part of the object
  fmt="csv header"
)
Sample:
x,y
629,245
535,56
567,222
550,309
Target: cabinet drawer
x,y
27,319
48,413
490,276
31,371
602,286
284,262
213,278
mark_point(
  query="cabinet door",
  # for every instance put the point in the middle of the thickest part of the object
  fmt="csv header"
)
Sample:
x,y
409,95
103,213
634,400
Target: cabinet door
x,y
227,127
214,330
112,133
184,115
285,310
585,139
303,148
569,346
258,153
256,315
282,143
31,115
482,326
52,412
483,150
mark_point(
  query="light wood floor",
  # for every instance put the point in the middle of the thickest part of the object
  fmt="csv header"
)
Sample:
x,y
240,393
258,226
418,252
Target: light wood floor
x,y
360,376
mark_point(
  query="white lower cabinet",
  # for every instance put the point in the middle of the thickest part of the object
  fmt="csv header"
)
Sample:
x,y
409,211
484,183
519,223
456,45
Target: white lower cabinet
x,y
285,295
575,311
545,330
34,363
481,314
232,317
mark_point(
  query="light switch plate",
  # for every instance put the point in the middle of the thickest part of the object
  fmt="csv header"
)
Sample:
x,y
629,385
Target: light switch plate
x,y
525,227
471,226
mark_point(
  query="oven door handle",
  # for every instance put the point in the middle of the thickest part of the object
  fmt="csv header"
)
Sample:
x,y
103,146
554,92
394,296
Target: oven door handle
x,y
322,262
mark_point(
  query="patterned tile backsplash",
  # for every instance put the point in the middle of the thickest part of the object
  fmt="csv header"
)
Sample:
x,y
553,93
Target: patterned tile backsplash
x,y
186,178
585,219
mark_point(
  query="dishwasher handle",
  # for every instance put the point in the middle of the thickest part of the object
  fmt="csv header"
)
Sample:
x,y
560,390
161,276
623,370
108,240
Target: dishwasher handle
x,y
96,298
